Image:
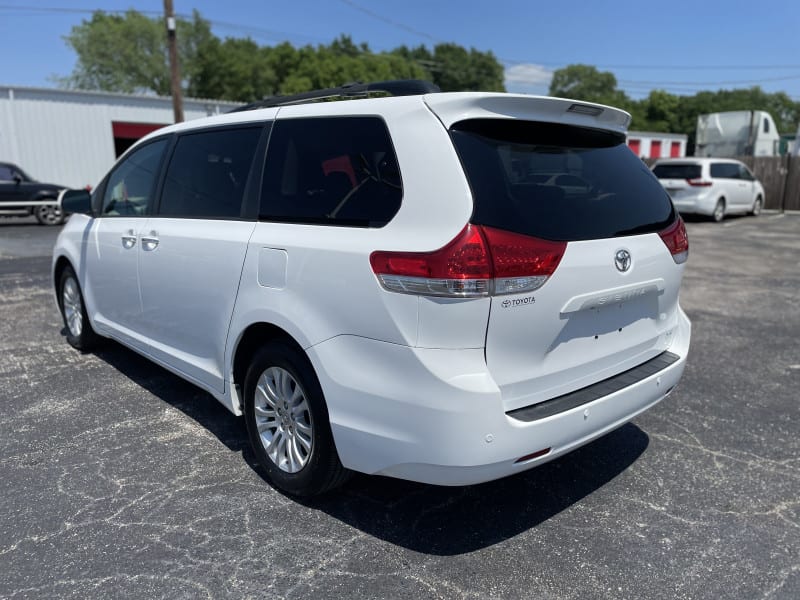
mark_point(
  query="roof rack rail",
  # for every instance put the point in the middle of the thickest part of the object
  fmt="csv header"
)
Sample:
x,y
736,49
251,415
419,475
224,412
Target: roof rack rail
x,y
356,89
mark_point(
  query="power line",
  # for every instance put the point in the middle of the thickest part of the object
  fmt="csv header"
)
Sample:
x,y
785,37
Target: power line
x,y
389,21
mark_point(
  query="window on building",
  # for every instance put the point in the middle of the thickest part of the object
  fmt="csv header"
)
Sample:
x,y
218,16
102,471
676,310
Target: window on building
x,y
130,187
332,171
208,172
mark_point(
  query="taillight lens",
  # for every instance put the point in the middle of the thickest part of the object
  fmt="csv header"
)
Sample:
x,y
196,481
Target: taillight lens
x,y
521,263
676,240
698,182
480,261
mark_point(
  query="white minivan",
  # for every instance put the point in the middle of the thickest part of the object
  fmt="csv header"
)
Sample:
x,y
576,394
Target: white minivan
x,y
713,187
396,285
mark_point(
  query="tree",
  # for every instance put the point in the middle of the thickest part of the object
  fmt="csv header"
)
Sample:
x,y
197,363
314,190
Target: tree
x,y
454,69
585,82
236,69
128,53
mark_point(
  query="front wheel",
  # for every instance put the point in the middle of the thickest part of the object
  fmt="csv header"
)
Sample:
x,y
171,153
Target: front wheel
x,y
49,214
80,334
758,204
287,421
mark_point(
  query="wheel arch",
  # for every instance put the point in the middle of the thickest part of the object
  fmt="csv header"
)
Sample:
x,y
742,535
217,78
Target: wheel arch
x,y
251,339
62,262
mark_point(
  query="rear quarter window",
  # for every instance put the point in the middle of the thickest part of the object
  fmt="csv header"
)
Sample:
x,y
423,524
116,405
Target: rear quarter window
x,y
331,171
558,182
725,170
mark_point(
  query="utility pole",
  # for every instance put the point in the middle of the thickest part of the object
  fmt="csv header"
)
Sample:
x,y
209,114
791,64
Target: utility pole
x,y
174,67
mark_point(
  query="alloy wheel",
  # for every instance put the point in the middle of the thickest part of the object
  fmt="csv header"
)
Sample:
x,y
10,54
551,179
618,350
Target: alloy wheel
x,y
73,307
283,419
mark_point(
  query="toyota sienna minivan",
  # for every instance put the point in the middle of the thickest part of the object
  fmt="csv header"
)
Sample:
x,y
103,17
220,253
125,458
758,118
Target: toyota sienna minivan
x,y
442,287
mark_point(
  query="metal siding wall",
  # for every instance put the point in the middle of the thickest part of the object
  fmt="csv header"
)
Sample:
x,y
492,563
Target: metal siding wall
x,y
66,137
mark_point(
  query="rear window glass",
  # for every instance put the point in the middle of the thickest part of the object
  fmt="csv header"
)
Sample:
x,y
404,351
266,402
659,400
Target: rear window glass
x,y
673,171
332,171
558,182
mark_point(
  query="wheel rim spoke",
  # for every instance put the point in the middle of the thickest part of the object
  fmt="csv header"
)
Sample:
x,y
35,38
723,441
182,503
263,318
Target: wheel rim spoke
x,y
283,420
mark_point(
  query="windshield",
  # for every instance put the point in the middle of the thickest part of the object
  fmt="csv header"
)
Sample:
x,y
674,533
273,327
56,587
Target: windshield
x,y
558,182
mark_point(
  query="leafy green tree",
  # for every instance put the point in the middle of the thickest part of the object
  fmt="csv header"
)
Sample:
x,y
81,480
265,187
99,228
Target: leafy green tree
x,y
236,69
128,53
585,82
454,68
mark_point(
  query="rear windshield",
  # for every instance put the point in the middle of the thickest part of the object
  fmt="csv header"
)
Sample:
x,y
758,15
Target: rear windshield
x,y
558,182
673,171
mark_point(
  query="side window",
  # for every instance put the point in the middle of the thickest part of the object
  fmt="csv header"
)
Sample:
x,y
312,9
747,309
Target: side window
x,y
130,186
6,173
744,173
725,170
208,172
766,125
333,170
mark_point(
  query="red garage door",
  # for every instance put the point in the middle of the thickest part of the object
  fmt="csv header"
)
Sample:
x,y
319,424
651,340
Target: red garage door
x,y
635,146
126,134
675,150
655,149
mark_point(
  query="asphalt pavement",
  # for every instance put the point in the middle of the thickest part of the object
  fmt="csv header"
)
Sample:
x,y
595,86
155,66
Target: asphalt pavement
x,y
120,480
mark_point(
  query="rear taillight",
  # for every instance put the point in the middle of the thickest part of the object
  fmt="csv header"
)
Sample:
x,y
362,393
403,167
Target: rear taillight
x,y
699,182
676,240
480,261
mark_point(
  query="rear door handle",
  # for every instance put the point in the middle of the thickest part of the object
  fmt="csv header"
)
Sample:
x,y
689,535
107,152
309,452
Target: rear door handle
x,y
150,241
129,240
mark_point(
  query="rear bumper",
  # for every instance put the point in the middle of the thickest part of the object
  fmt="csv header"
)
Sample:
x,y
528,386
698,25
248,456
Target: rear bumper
x,y
436,416
698,205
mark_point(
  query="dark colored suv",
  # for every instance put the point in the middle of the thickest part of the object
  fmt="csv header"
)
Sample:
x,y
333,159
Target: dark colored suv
x,y
21,196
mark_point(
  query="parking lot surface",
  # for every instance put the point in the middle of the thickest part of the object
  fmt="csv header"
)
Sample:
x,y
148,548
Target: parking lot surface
x,y
121,480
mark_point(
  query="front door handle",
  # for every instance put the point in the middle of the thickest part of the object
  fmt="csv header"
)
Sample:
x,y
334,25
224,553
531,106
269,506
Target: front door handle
x,y
129,240
150,241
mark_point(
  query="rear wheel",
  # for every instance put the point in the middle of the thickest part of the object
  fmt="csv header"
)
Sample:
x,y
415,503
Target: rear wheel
x,y
79,331
287,421
50,214
758,204
719,211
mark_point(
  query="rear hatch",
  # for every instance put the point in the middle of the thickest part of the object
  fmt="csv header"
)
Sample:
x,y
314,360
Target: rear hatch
x,y
683,181
609,299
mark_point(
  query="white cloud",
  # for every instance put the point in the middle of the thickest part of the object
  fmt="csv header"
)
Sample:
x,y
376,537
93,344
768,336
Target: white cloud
x,y
528,73
528,78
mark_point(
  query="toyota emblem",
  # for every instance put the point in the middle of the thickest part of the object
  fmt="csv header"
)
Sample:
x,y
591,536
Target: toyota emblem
x,y
622,259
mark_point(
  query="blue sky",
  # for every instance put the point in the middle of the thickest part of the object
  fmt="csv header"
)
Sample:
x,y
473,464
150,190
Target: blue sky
x,y
679,46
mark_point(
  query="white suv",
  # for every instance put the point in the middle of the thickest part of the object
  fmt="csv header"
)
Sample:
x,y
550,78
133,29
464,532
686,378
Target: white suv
x,y
713,187
385,285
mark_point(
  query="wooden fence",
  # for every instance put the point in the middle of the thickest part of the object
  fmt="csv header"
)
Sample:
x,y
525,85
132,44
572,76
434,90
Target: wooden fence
x,y
780,176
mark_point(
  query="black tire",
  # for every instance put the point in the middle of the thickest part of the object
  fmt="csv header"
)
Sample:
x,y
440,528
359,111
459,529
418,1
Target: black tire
x,y
758,204
70,300
321,470
719,211
50,214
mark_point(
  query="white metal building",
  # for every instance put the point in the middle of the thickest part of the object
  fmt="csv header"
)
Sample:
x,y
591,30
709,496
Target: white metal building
x,y
72,138
650,144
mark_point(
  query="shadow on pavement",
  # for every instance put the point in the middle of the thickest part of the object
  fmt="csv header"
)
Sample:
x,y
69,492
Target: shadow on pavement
x,y
423,518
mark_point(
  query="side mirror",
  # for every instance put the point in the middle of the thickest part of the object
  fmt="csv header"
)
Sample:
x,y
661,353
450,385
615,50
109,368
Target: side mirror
x,y
17,178
75,201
